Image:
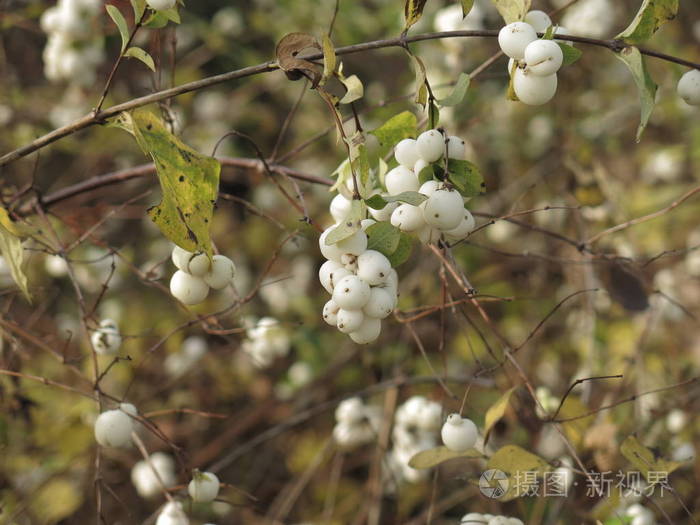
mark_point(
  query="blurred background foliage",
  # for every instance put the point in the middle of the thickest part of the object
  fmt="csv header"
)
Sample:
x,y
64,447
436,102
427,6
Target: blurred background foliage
x,y
273,426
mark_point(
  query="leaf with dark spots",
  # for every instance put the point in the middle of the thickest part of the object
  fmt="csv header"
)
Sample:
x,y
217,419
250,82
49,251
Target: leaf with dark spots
x,y
287,51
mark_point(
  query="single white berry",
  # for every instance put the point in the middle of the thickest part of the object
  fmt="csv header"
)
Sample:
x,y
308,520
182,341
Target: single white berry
x,y
204,486
329,251
324,274
534,90
543,57
106,339
458,434
368,331
429,235
340,207
444,209
172,514
463,229
337,275
401,179
408,218
159,5
373,267
406,153
473,518
330,312
499,520
198,265
676,420
113,428
515,37
539,20
429,187
431,145
356,244
222,272
180,258
380,304
351,293
419,166
349,262
392,283
689,87
385,213
187,288
145,480
350,410
349,320
456,148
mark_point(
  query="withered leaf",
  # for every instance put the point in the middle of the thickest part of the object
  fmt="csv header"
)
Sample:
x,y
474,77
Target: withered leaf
x,y
287,55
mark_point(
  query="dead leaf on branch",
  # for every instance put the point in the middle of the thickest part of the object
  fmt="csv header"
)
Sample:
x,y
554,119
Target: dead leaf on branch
x,y
287,55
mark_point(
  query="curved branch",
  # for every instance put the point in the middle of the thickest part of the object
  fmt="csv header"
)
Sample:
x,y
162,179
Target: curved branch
x,y
100,117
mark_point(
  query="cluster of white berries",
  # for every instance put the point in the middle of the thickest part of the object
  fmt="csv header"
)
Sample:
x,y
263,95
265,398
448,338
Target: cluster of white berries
x,y
443,212
356,423
106,340
72,52
689,87
362,284
474,518
196,273
416,424
266,341
458,433
533,62
113,428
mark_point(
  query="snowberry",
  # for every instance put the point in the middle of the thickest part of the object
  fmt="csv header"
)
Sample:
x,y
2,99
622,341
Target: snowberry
x,y
222,272
472,518
324,274
429,416
172,514
431,145
444,209
456,148
429,235
204,486
187,288
340,207
539,20
515,37
429,187
368,331
676,420
392,281
543,57
330,312
329,251
463,229
180,258
198,265
385,213
406,152
113,427
373,267
408,218
689,87
380,304
356,244
159,5
351,293
534,90
458,434
144,479
499,520
349,262
106,339
419,166
337,275
401,179
349,320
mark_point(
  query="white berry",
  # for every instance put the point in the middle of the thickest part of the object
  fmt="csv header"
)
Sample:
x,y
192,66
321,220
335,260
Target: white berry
x,y
330,312
180,258
515,37
329,251
456,148
356,244
204,486
222,272
539,20
689,87
431,145
198,265
325,272
380,304
159,5
349,320
428,188
373,267
473,518
458,434
385,213
350,410
406,152
534,90
144,479
340,207
401,179
106,339
172,514
444,209
463,229
419,166
351,293
368,331
543,57
187,288
429,235
408,218
113,428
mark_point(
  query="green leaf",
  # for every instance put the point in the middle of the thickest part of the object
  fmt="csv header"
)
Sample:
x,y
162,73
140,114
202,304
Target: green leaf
x,y
433,114
156,20
359,161
512,10
427,173
350,225
189,181
118,19
403,250
140,54
421,89
383,237
514,461
171,14
355,89
377,202
413,10
496,412
458,92
12,252
634,61
466,7
434,456
329,58
571,54
646,461
399,127
651,16
466,177
139,7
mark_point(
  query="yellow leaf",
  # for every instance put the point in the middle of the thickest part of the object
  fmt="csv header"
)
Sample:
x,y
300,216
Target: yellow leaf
x,y
434,456
496,412
514,462
12,252
653,467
